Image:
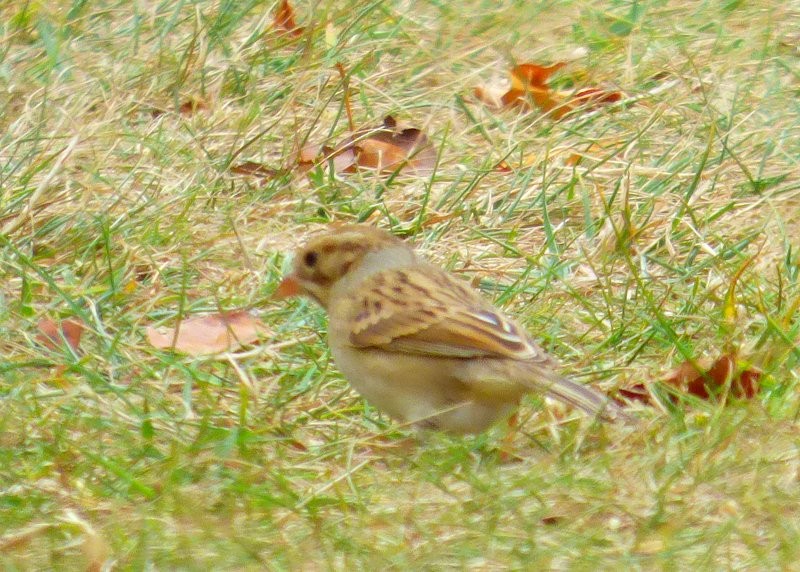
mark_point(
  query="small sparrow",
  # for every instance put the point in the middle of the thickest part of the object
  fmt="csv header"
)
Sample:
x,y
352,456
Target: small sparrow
x,y
420,344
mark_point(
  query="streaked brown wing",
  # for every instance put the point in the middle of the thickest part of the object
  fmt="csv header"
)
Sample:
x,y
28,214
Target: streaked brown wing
x,y
426,311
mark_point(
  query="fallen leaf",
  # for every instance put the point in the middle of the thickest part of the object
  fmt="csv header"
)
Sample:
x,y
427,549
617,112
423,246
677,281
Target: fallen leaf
x,y
343,159
585,99
188,107
635,392
384,149
594,96
55,334
254,169
574,160
210,334
529,88
192,106
502,167
529,82
709,381
284,19
525,76
703,379
387,148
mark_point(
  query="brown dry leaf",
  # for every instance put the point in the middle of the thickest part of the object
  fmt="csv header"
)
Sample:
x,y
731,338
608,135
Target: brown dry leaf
x,y
210,334
594,97
55,334
188,107
284,19
192,106
708,381
311,155
385,149
635,392
254,169
704,379
388,149
585,99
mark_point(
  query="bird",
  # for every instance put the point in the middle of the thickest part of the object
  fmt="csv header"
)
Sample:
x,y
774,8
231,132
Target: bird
x,y
420,344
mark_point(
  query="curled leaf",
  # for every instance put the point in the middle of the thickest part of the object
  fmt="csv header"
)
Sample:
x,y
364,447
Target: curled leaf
x,y
530,88
226,331
388,148
703,379
384,149
710,381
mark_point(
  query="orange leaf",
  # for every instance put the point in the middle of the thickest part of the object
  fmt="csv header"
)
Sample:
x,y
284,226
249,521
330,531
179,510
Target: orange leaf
x,y
529,86
527,76
284,19
502,167
55,334
513,97
210,334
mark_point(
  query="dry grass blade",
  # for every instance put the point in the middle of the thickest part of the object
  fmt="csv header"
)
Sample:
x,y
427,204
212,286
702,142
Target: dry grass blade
x,y
41,188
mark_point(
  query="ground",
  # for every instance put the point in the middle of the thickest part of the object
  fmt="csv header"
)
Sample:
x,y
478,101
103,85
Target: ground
x,y
628,239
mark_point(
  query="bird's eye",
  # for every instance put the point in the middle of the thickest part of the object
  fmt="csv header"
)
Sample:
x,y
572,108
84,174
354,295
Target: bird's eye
x,y
310,258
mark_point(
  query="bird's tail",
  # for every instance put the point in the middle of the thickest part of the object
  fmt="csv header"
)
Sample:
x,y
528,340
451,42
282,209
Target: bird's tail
x,y
586,399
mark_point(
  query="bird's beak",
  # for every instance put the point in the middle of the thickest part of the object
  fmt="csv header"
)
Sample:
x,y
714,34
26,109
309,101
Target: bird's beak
x,y
289,286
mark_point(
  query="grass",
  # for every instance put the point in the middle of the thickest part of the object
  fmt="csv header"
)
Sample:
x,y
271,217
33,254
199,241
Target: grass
x,y
675,237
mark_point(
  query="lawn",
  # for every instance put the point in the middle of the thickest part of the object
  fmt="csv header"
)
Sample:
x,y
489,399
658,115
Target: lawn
x,y
628,237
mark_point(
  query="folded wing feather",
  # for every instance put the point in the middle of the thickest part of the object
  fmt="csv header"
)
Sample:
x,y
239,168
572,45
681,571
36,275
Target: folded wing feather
x,y
425,310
